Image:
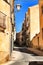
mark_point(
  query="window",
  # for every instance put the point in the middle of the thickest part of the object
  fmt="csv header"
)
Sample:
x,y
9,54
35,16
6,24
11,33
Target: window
x,y
2,21
38,41
27,19
42,33
42,9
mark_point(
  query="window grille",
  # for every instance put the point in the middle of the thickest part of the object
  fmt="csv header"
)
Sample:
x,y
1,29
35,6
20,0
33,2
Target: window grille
x,y
2,21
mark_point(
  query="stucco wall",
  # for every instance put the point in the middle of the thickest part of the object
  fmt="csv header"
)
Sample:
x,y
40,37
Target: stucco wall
x,y
5,38
34,21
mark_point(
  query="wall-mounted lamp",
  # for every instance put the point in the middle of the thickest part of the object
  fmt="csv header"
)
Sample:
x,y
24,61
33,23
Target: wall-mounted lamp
x,y
18,6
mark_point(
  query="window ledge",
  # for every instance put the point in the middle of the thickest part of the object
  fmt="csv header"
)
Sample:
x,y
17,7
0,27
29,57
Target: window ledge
x,y
2,27
6,2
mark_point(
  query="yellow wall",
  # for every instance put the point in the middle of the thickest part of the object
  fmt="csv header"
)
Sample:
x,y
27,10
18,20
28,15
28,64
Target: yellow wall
x,y
34,21
5,39
4,7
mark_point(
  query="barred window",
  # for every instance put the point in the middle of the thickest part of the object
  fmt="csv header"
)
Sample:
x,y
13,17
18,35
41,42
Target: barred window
x,y
42,9
2,21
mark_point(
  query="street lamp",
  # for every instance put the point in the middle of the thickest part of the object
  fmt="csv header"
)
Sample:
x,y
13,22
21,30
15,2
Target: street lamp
x,y
18,6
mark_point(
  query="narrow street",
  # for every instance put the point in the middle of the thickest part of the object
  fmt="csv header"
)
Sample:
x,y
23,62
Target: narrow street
x,y
21,56
21,32
24,50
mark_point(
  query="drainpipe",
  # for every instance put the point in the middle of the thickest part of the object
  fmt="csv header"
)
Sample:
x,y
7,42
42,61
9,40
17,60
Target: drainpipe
x,y
11,45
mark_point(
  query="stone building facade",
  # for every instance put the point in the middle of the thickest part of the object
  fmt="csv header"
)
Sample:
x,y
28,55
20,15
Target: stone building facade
x,y
37,40
19,38
32,28
23,33
36,25
34,17
6,26
26,30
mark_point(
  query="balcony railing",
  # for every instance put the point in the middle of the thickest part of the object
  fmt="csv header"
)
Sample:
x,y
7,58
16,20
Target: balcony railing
x,y
2,21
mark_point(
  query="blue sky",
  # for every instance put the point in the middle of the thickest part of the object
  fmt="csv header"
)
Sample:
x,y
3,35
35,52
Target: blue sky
x,y
19,16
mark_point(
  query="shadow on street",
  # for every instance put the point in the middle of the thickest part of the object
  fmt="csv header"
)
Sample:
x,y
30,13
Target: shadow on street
x,y
24,50
28,63
36,63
